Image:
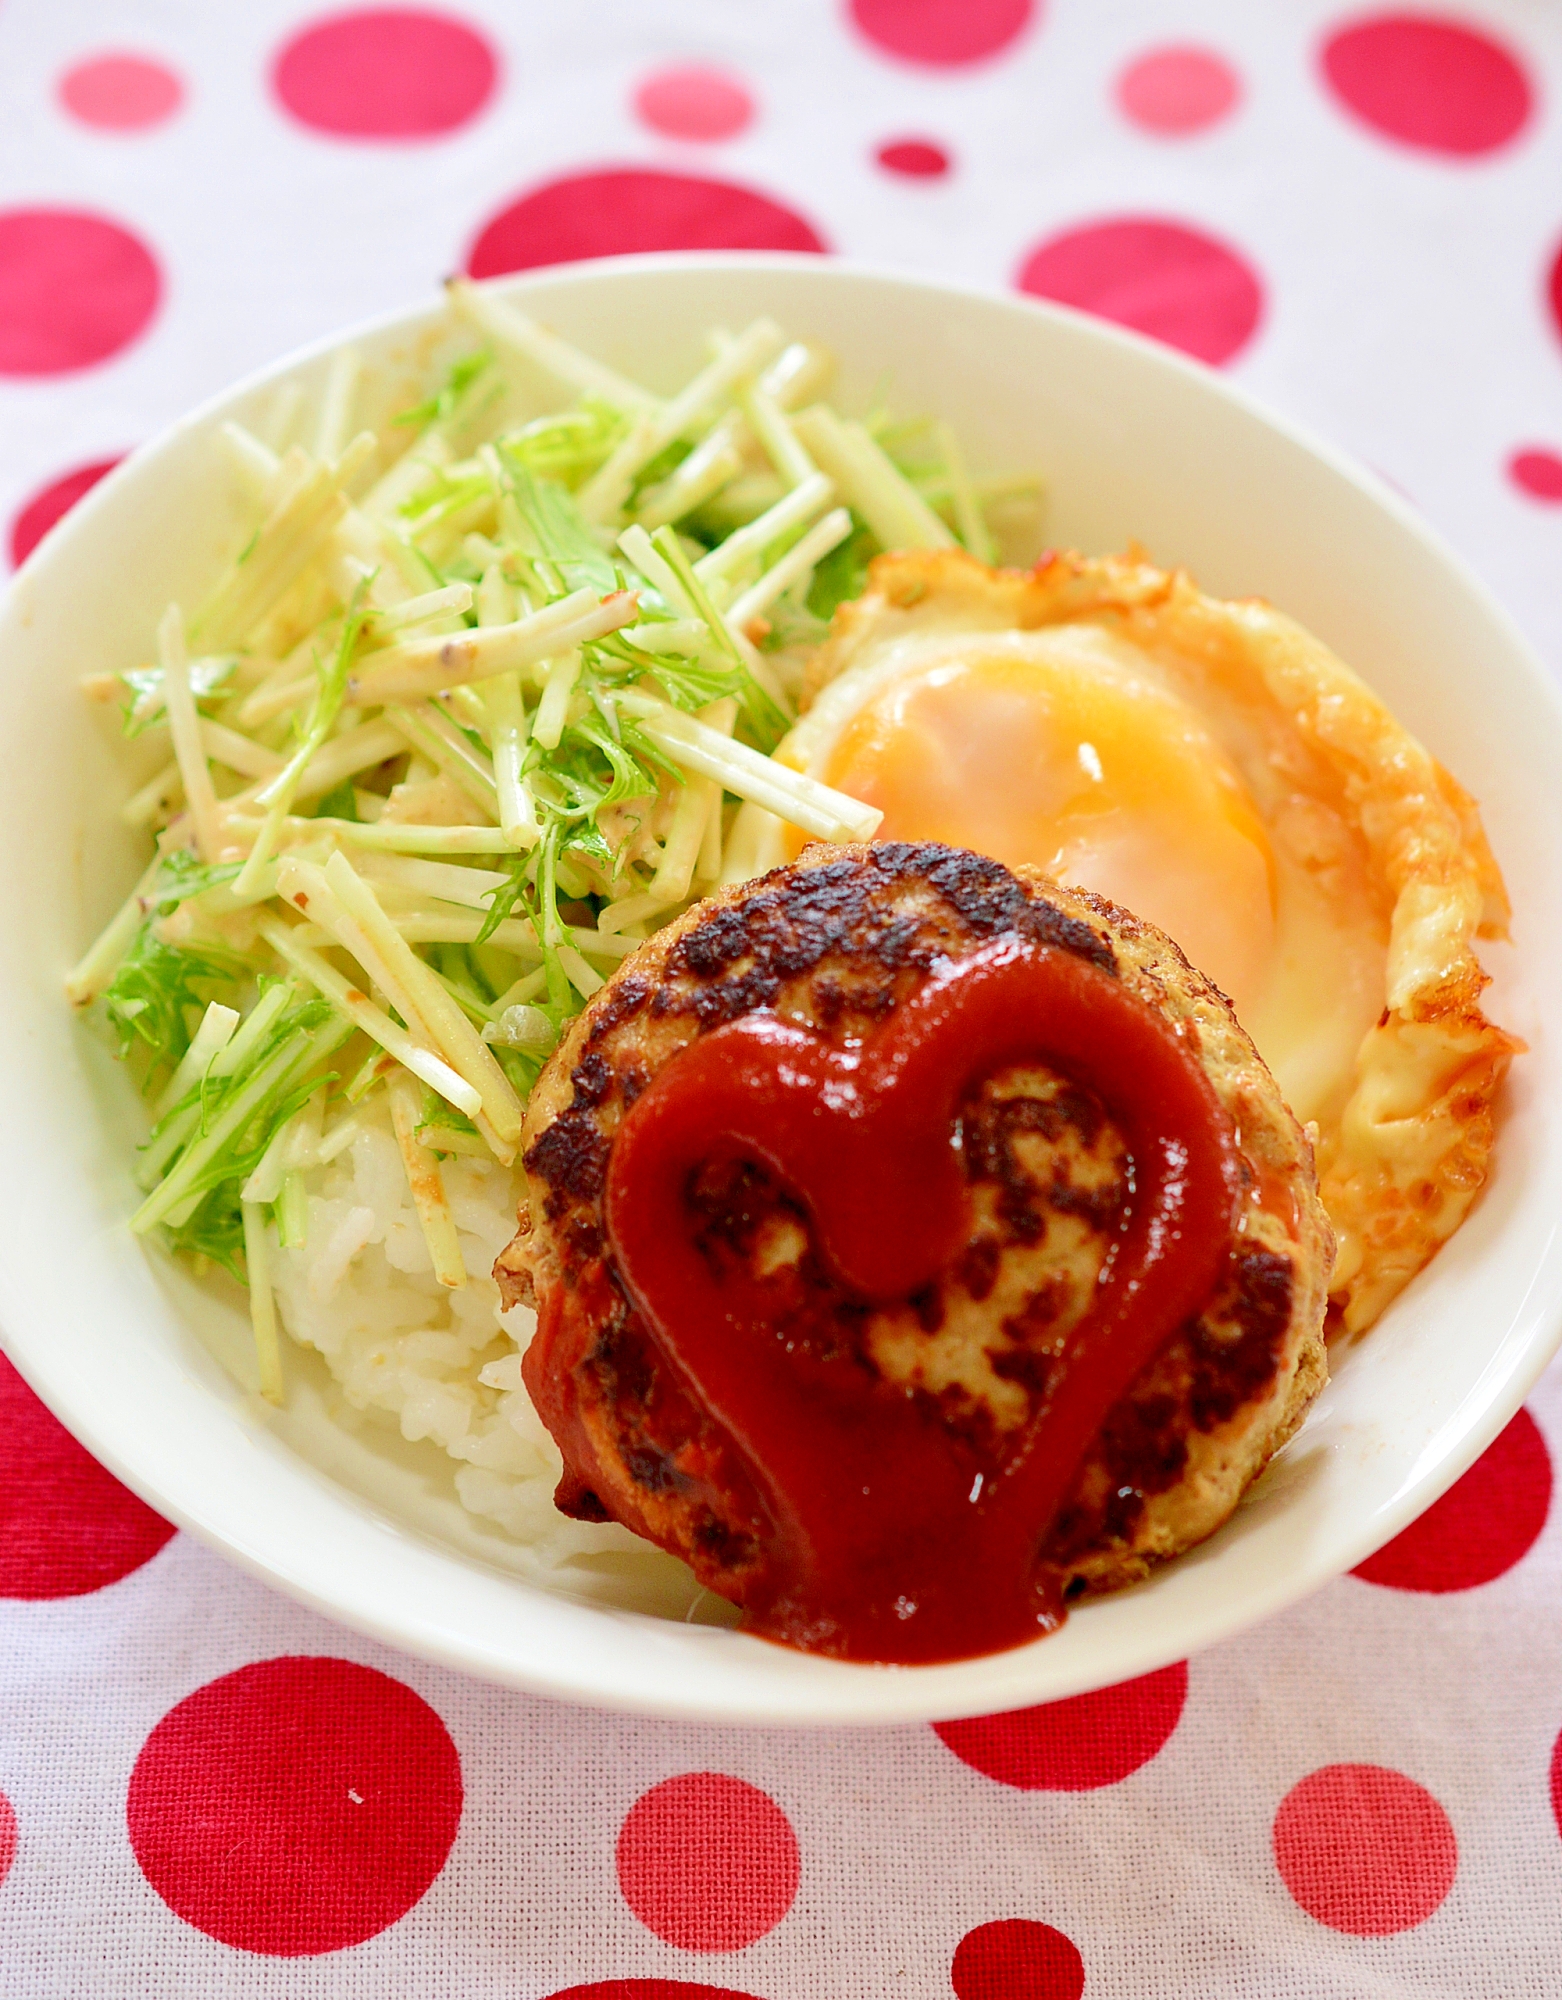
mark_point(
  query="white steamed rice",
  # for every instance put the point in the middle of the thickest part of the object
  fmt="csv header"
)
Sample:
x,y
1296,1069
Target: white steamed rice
x,y
445,1364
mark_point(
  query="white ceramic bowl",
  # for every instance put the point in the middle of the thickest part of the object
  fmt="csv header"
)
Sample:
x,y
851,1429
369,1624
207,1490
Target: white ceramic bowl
x,y
1133,442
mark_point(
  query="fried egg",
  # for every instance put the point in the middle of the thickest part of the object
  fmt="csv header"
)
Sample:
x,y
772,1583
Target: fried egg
x,y
1213,769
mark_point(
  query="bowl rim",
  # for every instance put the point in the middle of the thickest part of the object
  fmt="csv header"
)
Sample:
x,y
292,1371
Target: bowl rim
x,y
881,1696
1351,468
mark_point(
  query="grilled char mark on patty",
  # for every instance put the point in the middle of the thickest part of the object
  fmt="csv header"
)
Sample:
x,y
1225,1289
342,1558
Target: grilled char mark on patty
x,y
862,935
1203,1377
836,942
741,958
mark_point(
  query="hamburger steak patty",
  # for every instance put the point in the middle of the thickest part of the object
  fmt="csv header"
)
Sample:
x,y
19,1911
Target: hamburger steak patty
x,y
835,942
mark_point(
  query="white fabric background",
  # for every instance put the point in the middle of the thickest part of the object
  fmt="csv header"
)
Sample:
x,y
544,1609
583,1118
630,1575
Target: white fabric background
x,y
1405,320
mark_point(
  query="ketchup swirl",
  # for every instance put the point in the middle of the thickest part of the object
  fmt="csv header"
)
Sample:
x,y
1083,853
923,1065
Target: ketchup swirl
x,y
893,1540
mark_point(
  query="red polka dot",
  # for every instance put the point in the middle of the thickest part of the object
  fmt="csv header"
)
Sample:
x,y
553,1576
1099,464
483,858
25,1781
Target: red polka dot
x,y
708,1862
1428,82
1556,1783
1074,1745
1537,471
919,159
1176,90
120,93
8,1835
647,1989
694,104
385,73
944,33
1364,1850
1016,1959
74,289
615,211
66,1525
1160,278
1554,292
1485,1521
297,1805
38,515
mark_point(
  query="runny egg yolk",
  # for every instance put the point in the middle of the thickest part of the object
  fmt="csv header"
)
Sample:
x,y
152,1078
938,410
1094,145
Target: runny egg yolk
x,y
1048,749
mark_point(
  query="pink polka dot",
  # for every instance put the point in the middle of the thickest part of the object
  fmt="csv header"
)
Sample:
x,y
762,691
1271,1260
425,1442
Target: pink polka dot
x,y
1075,1745
918,159
1016,1959
74,289
295,1806
1556,1783
943,33
694,104
708,1862
121,93
37,516
1428,82
8,1835
66,1525
1554,292
647,1989
385,73
1160,278
1176,90
1364,1850
1537,471
1484,1523
609,213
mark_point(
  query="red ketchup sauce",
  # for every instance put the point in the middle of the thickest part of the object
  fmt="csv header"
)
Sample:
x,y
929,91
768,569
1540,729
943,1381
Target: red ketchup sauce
x,y
887,1544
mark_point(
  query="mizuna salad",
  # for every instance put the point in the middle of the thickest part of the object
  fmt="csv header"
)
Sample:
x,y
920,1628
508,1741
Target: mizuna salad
x,y
488,694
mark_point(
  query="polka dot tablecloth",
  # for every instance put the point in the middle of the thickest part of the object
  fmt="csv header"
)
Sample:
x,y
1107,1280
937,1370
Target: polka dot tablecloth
x,y
1354,210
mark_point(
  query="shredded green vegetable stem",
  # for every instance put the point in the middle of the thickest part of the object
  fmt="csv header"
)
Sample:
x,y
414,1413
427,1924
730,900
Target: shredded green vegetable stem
x,y
262,1302
425,1183
487,693
868,478
184,726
